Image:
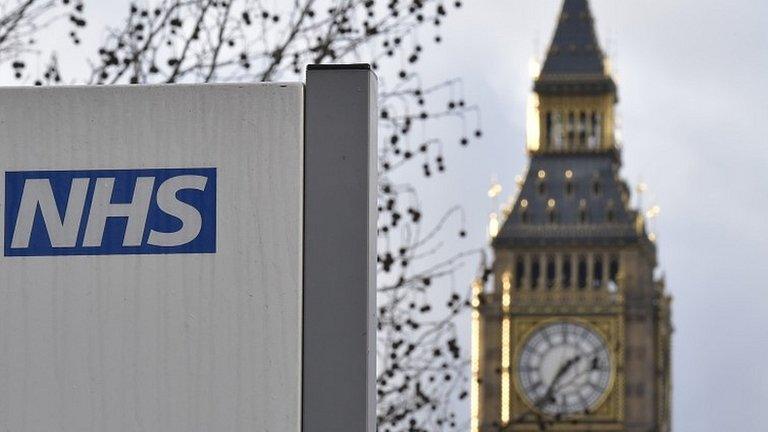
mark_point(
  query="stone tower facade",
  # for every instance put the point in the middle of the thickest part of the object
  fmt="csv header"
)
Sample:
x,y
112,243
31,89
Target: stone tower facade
x,y
575,334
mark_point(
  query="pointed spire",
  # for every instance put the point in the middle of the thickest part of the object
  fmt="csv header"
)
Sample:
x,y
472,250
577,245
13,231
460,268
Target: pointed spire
x,y
575,56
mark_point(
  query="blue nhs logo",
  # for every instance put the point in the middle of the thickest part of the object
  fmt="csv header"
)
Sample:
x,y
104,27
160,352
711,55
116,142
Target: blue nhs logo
x,y
110,212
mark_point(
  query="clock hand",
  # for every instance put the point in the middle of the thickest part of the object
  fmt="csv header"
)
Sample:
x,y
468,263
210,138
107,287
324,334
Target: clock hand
x,y
594,366
564,368
570,380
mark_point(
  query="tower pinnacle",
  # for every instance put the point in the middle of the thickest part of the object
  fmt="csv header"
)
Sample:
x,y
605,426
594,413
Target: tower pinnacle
x,y
575,62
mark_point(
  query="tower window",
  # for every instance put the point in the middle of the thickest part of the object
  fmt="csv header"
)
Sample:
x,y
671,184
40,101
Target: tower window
x,y
552,215
551,271
535,272
548,130
582,272
569,188
519,272
542,187
557,130
610,214
524,217
598,130
583,215
597,272
595,130
567,271
597,187
613,269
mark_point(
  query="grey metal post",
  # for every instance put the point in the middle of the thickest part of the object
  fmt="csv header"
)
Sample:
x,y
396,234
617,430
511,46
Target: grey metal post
x,y
339,365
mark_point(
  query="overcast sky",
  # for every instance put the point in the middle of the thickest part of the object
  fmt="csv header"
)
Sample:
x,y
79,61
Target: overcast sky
x,y
694,108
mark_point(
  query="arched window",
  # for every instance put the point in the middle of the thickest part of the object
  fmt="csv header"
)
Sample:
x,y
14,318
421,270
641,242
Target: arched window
x,y
597,272
593,130
593,122
519,272
571,129
567,271
557,130
582,270
552,215
598,130
583,215
597,187
613,269
583,129
535,271
551,271
548,128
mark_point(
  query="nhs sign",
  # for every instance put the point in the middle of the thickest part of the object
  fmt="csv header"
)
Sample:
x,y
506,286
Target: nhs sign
x,y
110,212
189,258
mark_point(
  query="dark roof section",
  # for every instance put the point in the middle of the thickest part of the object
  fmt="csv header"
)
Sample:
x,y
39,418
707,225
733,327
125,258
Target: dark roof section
x,y
593,210
574,63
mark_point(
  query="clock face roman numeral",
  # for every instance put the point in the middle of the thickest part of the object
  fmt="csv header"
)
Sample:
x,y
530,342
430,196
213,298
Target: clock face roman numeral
x,y
564,368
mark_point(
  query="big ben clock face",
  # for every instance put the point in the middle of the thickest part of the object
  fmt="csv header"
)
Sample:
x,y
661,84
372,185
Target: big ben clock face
x,y
564,368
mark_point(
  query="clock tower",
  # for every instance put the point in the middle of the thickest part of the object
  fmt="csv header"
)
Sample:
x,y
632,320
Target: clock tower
x,y
575,333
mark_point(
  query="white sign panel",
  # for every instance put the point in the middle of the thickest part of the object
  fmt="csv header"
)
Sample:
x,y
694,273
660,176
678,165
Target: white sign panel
x,y
151,278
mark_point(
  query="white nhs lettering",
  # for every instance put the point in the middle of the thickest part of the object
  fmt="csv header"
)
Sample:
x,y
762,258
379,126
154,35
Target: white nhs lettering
x,y
63,232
